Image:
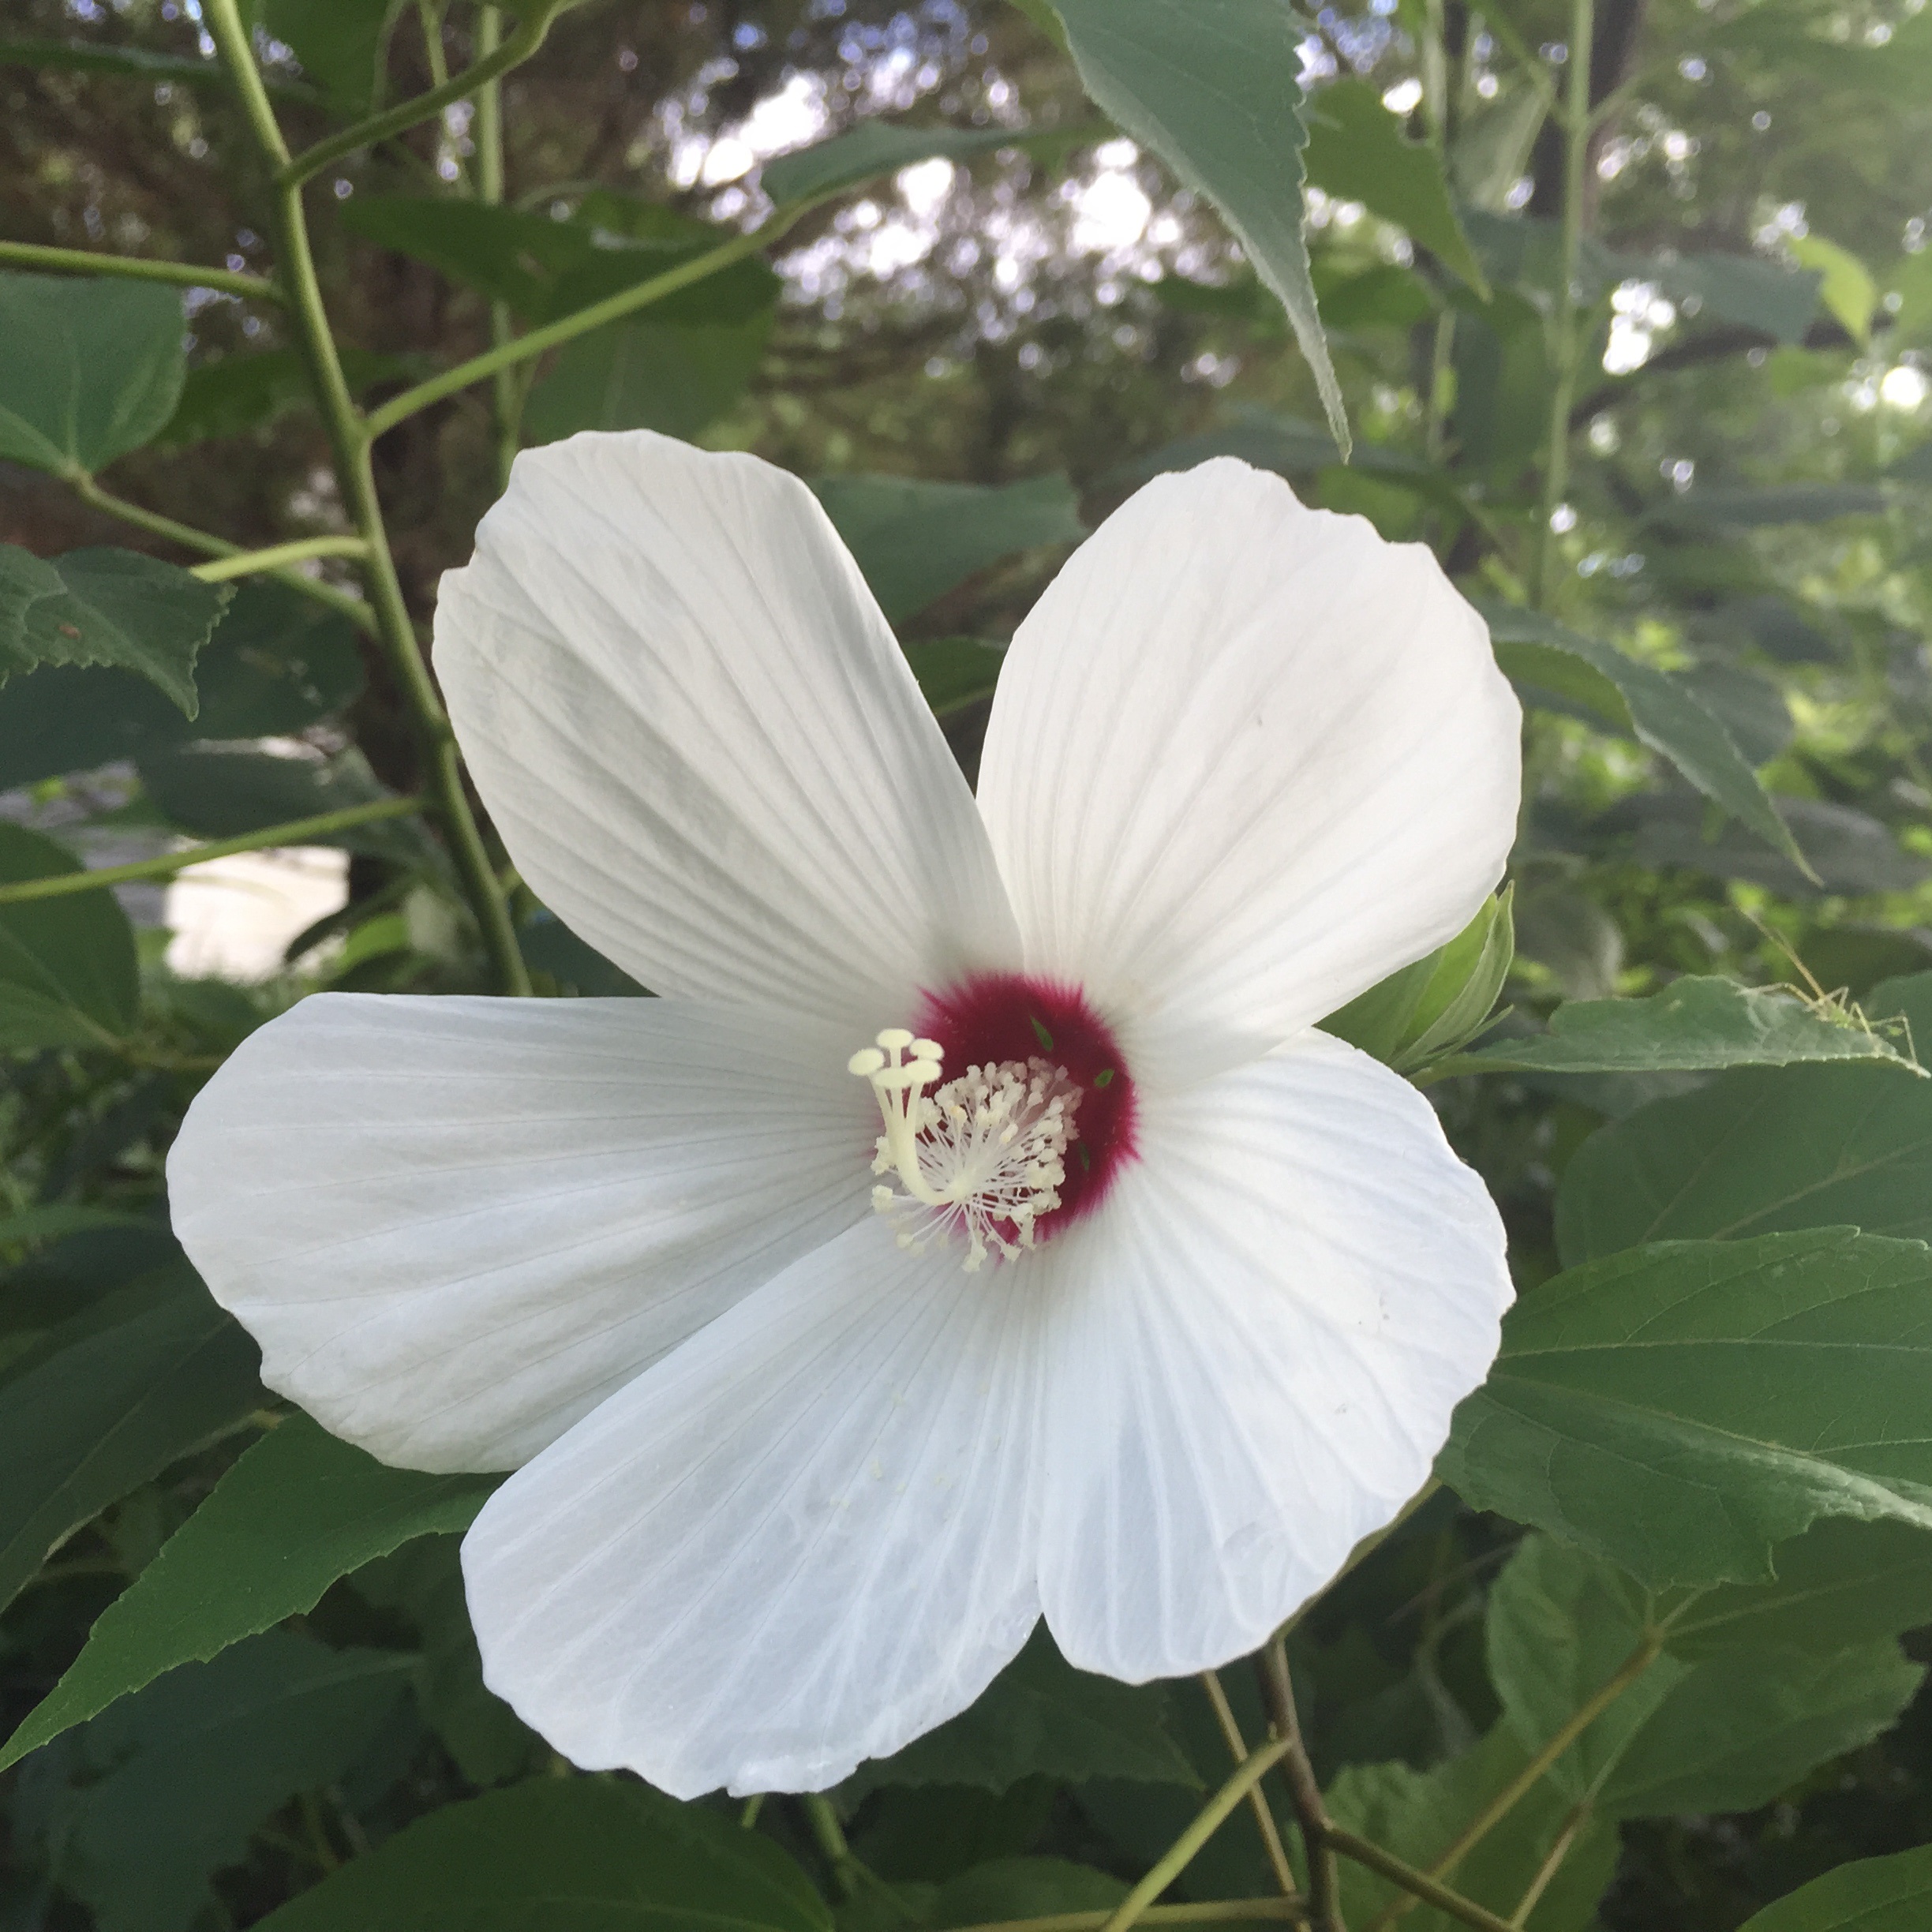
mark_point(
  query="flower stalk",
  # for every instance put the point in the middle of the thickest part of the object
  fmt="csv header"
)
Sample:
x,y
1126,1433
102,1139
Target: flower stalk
x,y
1257,1799
356,477
296,831
137,268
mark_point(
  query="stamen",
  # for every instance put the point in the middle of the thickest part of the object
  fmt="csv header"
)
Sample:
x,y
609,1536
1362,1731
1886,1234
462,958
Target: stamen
x,y
981,1156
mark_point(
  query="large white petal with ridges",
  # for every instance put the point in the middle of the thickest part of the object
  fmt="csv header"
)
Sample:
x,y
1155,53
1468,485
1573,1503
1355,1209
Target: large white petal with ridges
x,y
1259,1338
700,742
456,1226
799,1541
1245,759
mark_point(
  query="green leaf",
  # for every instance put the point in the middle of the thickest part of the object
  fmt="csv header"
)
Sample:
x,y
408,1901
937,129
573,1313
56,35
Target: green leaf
x,y
1491,150
1209,86
107,607
1003,1889
1738,1729
1285,444
646,372
1560,1625
1418,1814
241,393
218,793
1663,713
68,975
485,1736
1726,1731
169,1786
915,540
1679,1409
876,147
341,44
1357,152
107,1400
1847,851
548,945
1873,1895
299,1510
1782,503
1741,289
1842,1582
954,672
93,367
277,663
1695,1022
1041,1716
572,1855
1846,287
1759,1152
1431,1008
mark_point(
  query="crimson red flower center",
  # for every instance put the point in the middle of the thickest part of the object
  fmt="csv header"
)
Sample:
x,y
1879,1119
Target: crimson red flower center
x,y
994,1018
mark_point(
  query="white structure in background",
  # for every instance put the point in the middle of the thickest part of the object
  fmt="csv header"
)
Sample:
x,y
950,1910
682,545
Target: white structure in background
x,y
233,918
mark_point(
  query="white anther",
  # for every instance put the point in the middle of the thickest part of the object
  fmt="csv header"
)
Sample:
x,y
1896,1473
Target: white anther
x,y
980,1157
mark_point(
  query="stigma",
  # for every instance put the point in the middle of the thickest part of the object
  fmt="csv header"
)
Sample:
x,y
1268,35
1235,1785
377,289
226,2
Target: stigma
x,y
981,1156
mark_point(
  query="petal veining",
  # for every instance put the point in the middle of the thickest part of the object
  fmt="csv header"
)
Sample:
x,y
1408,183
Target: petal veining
x,y
1245,759
699,741
1257,1345
798,1541
455,1226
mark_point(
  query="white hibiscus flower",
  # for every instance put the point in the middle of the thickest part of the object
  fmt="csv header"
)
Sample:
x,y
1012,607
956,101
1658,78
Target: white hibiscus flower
x,y
973,1229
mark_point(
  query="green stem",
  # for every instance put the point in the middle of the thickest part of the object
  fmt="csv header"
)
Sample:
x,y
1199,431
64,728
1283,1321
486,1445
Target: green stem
x,y
357,477
183,274
1257,1799
1180,1855
251,563
508,54
91,492
830,1835
1576,131
506,392
505,355
1277,1695
1210,1912
1421,1889
297,832
1566,1838
1519,1788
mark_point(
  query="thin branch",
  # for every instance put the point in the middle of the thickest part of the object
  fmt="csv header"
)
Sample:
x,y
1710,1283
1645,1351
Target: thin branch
x,y
1180,1855
1422,1889
252,562
509,53
135,269
1553,1863
1257,1799
1278,1693
296,831
627,301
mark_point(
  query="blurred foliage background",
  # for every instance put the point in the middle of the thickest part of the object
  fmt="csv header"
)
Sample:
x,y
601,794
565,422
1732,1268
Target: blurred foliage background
x,y
1748,506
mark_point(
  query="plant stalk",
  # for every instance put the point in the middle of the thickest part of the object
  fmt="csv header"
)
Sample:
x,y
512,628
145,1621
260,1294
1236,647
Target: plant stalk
x,y
505,391
136,268
252,562
1304,1792
296,831
355,476
1178,1855
1420,1888
1563,338
1257,1799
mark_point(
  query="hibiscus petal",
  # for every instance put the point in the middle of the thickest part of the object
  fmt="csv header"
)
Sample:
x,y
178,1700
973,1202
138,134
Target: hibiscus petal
x,y
1245,760
699,741
1258,1341
456,1226
799,1541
